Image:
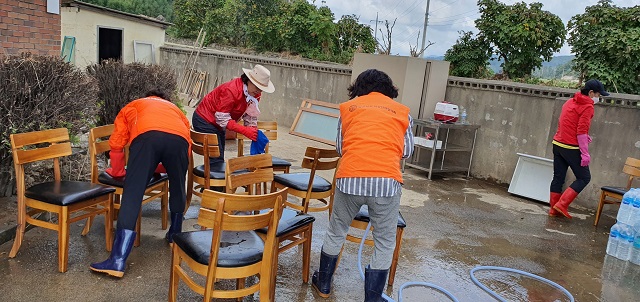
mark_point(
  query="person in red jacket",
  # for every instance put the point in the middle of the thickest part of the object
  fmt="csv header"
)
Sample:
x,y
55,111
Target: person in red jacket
x,y
158,132
571,146
221,108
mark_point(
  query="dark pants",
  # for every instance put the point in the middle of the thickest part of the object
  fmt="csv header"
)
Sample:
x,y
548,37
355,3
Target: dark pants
x,y
145,153
201,125
564,158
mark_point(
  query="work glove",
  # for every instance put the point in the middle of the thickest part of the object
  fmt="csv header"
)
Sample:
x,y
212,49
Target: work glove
x,y
160,169
250,132
258,146
117,164
583,143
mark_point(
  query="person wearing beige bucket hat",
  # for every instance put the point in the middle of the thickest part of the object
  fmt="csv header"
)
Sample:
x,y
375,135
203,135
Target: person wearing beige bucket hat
x,y
221,108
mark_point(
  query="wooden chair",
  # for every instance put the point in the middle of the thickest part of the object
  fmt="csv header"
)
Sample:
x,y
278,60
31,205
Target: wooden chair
x,y
613,195
158,186
203,176
270,130
361,221
71,201
308,185
294,228
230,249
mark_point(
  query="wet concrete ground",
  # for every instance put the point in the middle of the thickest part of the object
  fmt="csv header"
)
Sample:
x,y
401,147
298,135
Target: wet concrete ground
x,y
454,225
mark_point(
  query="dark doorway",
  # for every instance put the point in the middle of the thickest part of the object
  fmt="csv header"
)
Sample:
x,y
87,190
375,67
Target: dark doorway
x,y
109,44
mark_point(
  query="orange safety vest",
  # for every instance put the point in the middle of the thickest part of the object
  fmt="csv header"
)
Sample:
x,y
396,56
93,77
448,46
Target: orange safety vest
x,y
148,114
373,129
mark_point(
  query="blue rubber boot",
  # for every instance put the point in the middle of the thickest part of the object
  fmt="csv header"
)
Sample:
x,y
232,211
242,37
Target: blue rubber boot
x,y
176,226
117,261
374,281
323,277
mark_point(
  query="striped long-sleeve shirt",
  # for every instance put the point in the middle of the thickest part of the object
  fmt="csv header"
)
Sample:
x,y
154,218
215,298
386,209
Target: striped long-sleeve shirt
x,y
373,186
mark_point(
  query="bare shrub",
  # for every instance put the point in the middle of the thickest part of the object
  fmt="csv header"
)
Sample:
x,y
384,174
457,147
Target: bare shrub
x,y
42,92
121,83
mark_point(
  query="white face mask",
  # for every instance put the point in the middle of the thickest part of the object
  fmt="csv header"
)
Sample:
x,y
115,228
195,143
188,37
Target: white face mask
x,y
595,99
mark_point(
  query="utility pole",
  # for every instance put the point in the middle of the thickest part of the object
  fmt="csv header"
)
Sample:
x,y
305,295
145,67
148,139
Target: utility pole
x,y
375,31
424,29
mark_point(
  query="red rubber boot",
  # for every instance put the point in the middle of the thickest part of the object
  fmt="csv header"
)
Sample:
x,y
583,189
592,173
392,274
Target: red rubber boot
x,y
566,199
552,202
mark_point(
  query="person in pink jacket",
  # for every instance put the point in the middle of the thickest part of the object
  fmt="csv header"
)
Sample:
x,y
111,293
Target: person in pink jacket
x,y
571,146
221,108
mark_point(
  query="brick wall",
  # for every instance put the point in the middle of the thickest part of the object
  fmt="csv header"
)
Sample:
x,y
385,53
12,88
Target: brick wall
x,y
25,26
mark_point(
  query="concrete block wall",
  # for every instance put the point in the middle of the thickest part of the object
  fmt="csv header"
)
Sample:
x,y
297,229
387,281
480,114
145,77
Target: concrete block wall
x,y
521,118
26,26
294,80
514,117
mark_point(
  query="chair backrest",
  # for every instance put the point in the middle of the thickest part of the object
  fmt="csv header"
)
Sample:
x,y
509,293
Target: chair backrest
x,y
98,144
632,168
259,171
217,213
270,130
205,144
320,159
37,146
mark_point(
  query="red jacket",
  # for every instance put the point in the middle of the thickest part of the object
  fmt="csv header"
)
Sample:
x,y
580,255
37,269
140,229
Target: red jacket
x,y
226,98
147,114
575,119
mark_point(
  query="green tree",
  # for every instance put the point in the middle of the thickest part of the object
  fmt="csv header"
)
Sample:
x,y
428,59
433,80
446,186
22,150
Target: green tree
x,y
350,37
469,57
606,42
522,36
190,16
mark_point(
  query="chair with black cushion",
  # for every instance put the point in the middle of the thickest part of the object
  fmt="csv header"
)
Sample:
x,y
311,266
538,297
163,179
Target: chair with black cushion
x,y
229,248
613,195
204,176
362,220
71,201
308,185
294,228
158,186
270,130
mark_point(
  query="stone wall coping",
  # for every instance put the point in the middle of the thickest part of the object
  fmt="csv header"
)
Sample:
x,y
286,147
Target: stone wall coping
x,y
324,67
615,99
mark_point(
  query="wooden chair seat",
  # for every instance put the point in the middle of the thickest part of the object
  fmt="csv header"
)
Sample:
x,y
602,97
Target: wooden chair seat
x,y
280,164
64,193
361,220
105,178
236,248
613,195
616,190
300,181
217,171
291,221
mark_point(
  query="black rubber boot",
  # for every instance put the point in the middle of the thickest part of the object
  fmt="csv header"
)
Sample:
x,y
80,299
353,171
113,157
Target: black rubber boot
x,y
374,280
323,277
117,261
176,226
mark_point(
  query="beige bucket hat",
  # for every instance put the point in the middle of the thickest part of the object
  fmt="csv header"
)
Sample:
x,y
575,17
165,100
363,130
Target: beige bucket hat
x,y
261,77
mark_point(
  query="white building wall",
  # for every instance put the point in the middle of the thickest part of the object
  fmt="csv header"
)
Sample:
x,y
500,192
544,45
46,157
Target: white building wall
x,y
83,25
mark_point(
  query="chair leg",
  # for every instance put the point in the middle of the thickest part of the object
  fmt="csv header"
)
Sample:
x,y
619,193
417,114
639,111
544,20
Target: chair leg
x,y
63,239
600,205
20,228
136,243
108,224
306,254
87,226
173,277
164,206
396,254
240,283
189,196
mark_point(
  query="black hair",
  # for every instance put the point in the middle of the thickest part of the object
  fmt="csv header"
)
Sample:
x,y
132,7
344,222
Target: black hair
x,y
159,93
585,91
372,80
245,78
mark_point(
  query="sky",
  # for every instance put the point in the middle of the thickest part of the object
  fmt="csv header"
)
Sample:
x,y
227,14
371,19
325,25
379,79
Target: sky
x,y
446,18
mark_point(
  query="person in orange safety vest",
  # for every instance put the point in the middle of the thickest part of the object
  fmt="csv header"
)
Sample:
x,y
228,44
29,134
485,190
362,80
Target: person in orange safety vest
x,y
158,134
